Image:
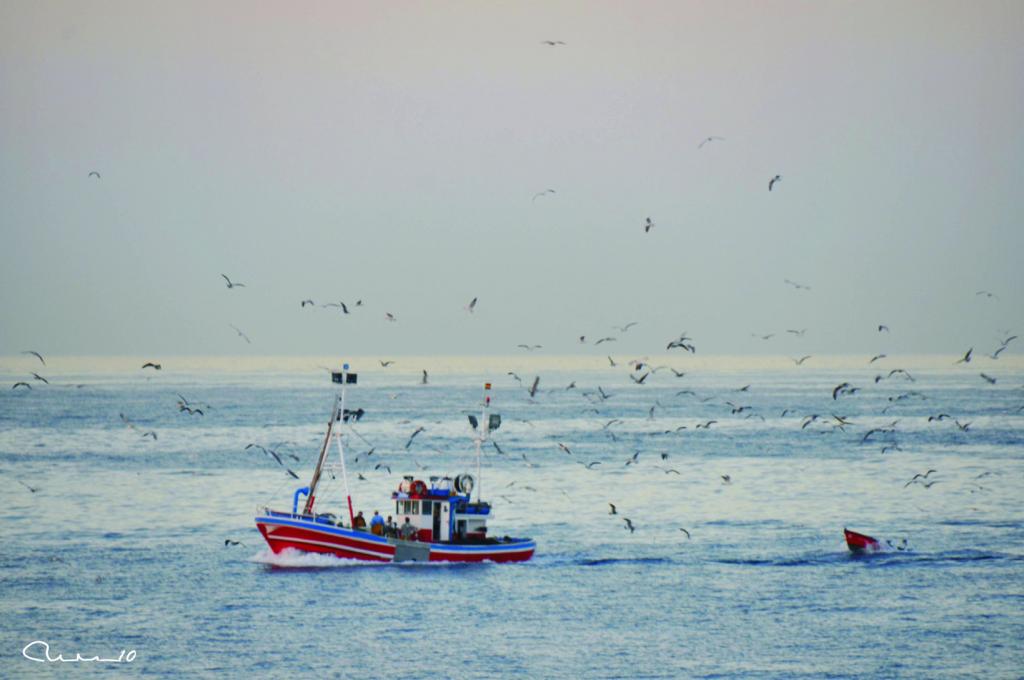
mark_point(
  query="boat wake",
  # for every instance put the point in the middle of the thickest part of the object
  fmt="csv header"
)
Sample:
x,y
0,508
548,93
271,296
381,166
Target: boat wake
x,y
296,559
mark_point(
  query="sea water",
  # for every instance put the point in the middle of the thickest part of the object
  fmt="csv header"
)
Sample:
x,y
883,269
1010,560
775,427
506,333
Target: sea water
x,y
121,547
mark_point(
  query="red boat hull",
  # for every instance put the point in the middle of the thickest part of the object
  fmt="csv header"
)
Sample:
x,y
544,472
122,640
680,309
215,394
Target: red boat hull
x,y
859,543
307,535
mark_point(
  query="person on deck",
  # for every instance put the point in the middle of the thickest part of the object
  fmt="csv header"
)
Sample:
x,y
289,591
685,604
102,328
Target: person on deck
x,y
359,523
377,524
408,531
391,527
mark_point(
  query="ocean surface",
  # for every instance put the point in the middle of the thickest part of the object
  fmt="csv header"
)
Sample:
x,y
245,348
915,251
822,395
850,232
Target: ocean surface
x,y
122,544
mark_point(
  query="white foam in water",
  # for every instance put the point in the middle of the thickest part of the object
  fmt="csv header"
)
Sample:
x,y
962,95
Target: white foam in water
x,y
289,557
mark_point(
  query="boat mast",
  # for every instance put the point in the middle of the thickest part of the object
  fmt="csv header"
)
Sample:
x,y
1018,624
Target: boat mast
x,y
341,448
308,507
337,413
485,427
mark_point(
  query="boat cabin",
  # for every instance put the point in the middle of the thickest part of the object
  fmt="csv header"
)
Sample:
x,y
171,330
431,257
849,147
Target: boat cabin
x,y
442,511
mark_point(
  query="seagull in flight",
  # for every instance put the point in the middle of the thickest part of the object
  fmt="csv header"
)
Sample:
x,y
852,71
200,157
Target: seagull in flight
x,y
710,139
232,284
341,305
533,387
613,511
648,225
801,360
966,359
876,358
471,306
389,316
150,364
883,327
773,180
306,302
530,348
241,334
413,435
542,193
40,378
798,286
20,384
385,364
551,43
40,356
629,524
96,174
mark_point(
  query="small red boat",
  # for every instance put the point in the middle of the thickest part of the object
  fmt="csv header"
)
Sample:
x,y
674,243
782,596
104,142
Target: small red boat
x,y
859,543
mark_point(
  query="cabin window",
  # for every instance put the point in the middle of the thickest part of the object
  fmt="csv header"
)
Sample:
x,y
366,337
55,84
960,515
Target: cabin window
x,y
426,507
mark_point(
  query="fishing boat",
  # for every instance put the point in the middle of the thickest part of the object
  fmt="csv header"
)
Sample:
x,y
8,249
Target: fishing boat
x,y
859,543
443,520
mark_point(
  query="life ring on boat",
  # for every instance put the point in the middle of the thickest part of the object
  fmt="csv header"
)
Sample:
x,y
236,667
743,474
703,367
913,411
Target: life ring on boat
x,y
419,488
464,484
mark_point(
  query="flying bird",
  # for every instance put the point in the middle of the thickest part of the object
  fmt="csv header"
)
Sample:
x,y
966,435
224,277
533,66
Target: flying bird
x,y
966,358
611,362
542,193
773,180
232,284
876,358
150,364
801,360
613,511
413,436
40,356
306,302
551,43
425,377
471,306
241,334
95,174
40,378
385,364
798,286
710,139
883,327
840,389
564,448
685,532
389,316
648,225
31,489
339,304
989,379
629,524
533,387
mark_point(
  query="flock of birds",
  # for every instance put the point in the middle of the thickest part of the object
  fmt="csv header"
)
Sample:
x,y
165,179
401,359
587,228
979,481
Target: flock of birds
x,y
640,373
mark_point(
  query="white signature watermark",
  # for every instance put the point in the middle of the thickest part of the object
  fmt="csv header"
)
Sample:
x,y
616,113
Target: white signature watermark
x,y
40,651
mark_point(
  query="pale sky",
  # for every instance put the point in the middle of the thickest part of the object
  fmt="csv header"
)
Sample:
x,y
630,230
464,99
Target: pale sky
x,y
389,152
